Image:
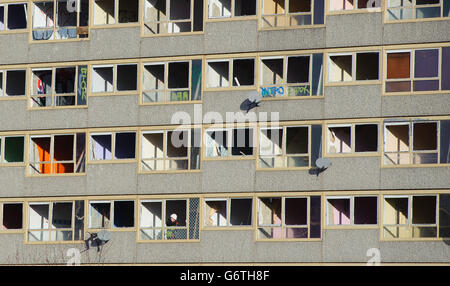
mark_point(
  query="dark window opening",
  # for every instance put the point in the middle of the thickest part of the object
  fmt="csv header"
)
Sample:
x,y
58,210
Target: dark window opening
x,y
123,213
12,216
126,77
242,142
367,66
365,210
125,145
366,138
241,212
243,72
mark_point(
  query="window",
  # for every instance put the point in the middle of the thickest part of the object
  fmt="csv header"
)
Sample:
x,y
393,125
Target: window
x,y
114,78
410,216
11,215
172,81
11,149
231,8
12,82
352,138
417,9
354,210
13,16
350,67
121,144
292,76
348,5
108,12
288,217
291,13
58,20
55,221
229,142
61,86
171,219
172,16
412,143
57,154
228,212
111,214
417,70
284,147
170,150
219,73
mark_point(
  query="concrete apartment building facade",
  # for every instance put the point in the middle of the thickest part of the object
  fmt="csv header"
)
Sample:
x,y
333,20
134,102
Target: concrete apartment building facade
x,y
91,94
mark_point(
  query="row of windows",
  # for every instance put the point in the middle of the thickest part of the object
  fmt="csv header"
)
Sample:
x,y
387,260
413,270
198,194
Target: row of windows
x,y
289,76
63,19
405,142
272,217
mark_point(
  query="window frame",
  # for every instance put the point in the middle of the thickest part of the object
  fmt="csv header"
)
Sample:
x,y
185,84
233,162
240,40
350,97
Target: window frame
x,y
163,228
286,16
4,72
80,30
352,152
352,224
412,79
53,94
411,152
111,227
283,226
414,8
15,230
166,90
230,143
230,85
355,8
6,29
232,16
271,90
228,225
354,58
409,225
113,159
29,160
171,22
50,229
164,157
283,155
3,146
114,83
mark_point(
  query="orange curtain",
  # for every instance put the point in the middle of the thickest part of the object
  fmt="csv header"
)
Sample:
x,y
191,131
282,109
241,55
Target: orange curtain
x,y
398,65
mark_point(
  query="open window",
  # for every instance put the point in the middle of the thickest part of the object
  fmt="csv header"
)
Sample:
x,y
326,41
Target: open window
x,y
12,149
291,13
229,142
13,16
219,73
57,154
108,12
55,221
60,20
171,219
352,210
121,144
350,5
291,75
353,67
417,70
172,16
228,212
352,138
413,216
411,143
114,78
416,9
11,216
172,81
231,8
288,218
170,150
60,86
